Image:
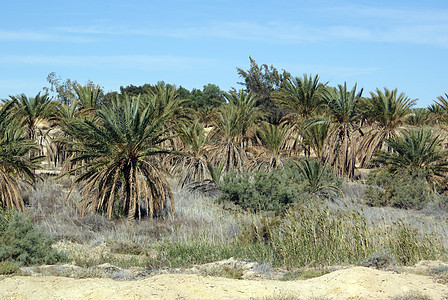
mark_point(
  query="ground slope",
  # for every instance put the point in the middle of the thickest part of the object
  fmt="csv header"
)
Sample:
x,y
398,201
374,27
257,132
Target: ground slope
x,y
352,283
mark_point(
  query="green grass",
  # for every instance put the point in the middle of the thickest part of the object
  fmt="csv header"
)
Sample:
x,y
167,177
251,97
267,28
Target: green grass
x,y
315,233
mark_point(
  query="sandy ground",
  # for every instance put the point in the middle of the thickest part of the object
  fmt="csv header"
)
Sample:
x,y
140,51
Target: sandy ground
x,y
353,283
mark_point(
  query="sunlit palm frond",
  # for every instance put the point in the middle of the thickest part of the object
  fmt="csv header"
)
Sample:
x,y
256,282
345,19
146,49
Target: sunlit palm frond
x,y
301,96
117,175
416,150
16,168
341,148
387,113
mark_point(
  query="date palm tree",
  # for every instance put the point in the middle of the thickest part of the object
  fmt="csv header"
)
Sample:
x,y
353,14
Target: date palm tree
x,y
315,132
314,170
415,150
35,113
117,174
301,96
87,95
234,129
272,152
15,165
342,105
192,166
386,113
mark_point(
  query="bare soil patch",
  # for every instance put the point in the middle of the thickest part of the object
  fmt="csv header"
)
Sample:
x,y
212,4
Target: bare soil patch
x,y
350,283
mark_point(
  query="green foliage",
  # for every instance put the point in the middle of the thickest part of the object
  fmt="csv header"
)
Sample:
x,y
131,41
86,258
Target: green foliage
x,y
186,254
416,151
113,155
275,190
8,268
403,190
272,191
23,244
5,217
378,261
388,109
408,246
15,165
262,80
314,173
301,96
303,274
313,235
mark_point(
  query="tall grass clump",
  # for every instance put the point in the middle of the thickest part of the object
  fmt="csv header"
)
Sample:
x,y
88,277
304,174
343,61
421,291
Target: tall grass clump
x,y
312,235
409,246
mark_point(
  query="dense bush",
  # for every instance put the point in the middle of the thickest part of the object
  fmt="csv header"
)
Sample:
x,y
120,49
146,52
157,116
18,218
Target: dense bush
x,y
272,191
23,244
401,190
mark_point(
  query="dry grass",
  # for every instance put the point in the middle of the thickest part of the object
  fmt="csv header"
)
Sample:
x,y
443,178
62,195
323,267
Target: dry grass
x,y
201,230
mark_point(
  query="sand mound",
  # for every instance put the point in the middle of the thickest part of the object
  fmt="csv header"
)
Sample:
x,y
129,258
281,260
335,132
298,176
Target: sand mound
x,y
353,283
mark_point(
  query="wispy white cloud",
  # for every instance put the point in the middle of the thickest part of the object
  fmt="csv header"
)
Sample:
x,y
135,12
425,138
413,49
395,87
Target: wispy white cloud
x,y
109,62
329,71
426,35
349,22
413,31
38,36
389,14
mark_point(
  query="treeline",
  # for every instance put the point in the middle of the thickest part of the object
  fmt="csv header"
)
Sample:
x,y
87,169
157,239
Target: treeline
x,y
120,147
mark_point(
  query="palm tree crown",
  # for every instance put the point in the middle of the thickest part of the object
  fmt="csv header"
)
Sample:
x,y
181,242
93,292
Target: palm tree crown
x,y
416,150
301,96
15,166
116,151
386,113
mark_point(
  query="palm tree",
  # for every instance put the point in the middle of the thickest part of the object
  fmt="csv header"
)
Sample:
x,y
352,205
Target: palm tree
x,y
386,114
191,167
272,151
166,103
420,116
342,106
413,151
15,166
313,170
35,112
314,132
234,129
439,109
116,150
88,96
301,96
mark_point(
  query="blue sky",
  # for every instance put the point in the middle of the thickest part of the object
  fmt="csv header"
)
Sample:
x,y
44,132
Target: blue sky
x,y
393,44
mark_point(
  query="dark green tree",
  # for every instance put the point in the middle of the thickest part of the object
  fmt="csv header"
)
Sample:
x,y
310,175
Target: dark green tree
x,y
262,80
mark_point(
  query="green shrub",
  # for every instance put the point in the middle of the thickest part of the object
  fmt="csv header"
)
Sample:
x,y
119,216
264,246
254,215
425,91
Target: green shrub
x,y
378,261
8,268
5,216
403,190
274,191
23,244
304,274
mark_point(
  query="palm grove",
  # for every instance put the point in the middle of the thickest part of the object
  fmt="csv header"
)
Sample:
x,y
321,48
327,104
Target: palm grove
x,y
124,150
